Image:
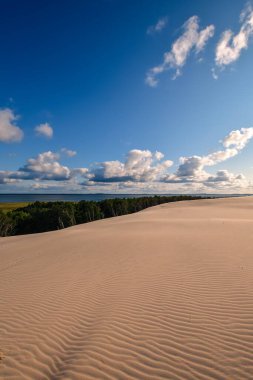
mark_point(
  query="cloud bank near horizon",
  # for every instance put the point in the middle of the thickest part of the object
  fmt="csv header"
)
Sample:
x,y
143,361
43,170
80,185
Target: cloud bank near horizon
x,y
142,170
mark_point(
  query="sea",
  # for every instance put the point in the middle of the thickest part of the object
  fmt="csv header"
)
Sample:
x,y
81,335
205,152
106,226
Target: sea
x,y
9,198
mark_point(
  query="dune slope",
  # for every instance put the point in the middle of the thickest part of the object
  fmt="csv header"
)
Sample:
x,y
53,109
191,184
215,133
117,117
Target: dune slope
x,y
166,293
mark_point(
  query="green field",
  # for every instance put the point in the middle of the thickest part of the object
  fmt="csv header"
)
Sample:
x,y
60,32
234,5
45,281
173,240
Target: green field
x,y
12,206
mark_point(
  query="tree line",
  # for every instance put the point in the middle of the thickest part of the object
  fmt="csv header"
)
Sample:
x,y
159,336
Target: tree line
x,y
49,216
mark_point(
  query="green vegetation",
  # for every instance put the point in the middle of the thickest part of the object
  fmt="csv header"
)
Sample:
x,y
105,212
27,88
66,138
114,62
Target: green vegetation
x,y
48,216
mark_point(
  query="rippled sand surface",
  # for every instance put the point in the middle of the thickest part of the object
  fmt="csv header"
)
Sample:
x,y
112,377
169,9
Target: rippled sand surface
x,y
166,293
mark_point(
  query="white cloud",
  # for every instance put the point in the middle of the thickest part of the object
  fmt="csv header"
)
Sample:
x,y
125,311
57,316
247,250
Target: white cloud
x,y
9,132
46,166
140,165
191,39
239,138
56,186
68,152
141,171
230,46
44,130
203,37
192,169
40,186
158,27
5,180
151,80
225,176
214,73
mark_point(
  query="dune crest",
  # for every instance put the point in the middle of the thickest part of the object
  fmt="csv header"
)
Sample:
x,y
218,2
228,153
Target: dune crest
x,y
162,294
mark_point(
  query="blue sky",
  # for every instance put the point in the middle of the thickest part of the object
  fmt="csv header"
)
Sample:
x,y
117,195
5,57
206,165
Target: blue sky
x,y
126,96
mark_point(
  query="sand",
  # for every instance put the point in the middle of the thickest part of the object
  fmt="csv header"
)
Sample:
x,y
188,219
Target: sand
x,y
166,293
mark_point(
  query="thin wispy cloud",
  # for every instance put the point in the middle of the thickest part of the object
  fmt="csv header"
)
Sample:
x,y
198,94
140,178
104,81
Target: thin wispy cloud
x,y
192,39
44,130
69,152
158,27
9,131
231,45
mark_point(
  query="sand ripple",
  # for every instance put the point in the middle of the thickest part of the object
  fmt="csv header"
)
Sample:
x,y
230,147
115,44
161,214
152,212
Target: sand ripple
x,y
163,294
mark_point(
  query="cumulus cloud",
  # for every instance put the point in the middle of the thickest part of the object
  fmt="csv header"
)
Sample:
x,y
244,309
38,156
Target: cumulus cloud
x,y
192,169
192,39
158,27
68,152
139,166
225,176
45,166
44,130
141,171
5,180
230,45
9,131
239,138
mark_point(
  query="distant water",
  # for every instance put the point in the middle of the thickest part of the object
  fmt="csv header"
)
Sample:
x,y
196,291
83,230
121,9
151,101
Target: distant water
x,y
62,197
87,197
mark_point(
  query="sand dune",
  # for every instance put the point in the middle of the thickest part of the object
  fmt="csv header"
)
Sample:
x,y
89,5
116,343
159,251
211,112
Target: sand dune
x,y
166,293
